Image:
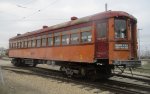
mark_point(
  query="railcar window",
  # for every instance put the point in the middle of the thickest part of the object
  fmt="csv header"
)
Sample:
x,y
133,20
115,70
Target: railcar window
x,y
33,43
101,30
65,39
86,37
17,44
9,45
57,40
57,34
38,43
14,45
120,28
75,30
23,44
65,32
26,44
43,42
50,41
88,28
74,38
50,35
29,43
20,44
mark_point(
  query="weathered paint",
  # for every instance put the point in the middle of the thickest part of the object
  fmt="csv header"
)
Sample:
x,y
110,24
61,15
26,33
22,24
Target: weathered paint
x,y
82,53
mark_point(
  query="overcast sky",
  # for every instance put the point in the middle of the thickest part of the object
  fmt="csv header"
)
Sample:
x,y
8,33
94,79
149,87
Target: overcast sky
x,y
20,16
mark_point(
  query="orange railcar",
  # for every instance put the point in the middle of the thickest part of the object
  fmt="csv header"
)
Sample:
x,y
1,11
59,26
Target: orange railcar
x,y
94,43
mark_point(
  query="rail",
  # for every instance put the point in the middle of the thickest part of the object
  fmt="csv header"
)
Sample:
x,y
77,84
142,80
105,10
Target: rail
x,y
1,77
113,86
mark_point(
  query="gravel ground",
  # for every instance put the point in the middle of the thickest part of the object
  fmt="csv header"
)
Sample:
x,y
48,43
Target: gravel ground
x,y
24,82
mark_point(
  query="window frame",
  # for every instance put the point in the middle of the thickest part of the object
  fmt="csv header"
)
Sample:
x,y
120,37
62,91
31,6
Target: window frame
x,y
38,44
126,34
43,40
29,45
83,30
87,37
73,32
57,34
50,36
65,41
98,36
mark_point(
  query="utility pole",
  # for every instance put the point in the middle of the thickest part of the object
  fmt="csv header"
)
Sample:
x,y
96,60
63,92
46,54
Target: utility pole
x,y
139,43
105,6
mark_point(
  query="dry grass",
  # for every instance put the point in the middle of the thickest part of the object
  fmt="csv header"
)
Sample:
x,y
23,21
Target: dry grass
x,y
4,90
145,68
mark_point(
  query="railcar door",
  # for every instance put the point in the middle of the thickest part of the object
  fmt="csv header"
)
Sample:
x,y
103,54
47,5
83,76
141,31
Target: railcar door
x,y
101,40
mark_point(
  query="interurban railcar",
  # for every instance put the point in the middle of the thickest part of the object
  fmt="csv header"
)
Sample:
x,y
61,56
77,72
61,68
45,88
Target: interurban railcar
x,y
86,46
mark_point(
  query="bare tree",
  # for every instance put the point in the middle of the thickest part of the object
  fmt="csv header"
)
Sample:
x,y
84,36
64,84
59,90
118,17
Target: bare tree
x,y
2,51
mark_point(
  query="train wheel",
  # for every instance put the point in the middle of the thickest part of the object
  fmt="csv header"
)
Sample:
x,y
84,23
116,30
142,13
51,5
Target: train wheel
x,y
92,75
69,72
33,65
16,62
82,72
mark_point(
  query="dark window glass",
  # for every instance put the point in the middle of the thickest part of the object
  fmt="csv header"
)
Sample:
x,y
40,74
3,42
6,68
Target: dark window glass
x,y
50,41
44,42
29,43
101,30
33,43
38,42
50,35
15,45
88,28
57,40
120,28
86,36
26,44
65,39
20,44
74,38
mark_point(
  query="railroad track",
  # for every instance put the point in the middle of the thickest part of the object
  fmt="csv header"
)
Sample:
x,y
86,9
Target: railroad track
x,y
110,85
1,77
146,80
134,74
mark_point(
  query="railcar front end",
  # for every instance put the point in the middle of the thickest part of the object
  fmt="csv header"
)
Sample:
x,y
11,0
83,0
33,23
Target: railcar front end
x,y
116,41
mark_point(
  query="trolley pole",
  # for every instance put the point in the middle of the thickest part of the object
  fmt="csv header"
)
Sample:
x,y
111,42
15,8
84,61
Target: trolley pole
x,y
106,7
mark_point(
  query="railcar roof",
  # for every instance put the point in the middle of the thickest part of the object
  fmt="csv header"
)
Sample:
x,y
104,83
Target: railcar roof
x,y
102,15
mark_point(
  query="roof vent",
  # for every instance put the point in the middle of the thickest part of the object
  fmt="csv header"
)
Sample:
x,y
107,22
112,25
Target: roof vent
x,y
45,26
74,18
18,34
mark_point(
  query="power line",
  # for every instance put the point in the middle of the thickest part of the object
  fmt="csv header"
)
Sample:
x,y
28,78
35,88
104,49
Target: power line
x,y
40,9
25,3
32,20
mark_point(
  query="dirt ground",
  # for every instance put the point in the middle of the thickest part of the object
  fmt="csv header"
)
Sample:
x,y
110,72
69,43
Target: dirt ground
x,y
19,81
